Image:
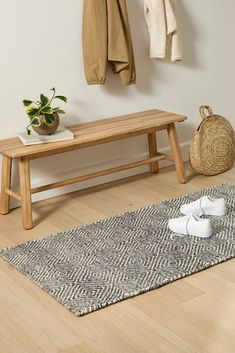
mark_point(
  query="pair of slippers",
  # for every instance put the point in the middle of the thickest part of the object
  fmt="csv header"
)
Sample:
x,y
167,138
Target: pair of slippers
x,y
192,223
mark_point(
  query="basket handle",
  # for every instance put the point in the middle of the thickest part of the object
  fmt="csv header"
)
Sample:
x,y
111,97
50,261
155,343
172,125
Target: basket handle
x,y
202,111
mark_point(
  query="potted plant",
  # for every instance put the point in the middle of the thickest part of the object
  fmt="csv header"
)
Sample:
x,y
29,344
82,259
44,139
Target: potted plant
x,y
44,119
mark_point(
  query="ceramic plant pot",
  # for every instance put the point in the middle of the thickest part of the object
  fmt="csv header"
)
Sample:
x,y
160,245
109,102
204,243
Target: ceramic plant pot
x,y
45,129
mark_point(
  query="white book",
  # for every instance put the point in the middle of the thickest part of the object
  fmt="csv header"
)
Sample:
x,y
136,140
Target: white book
x,y
61,134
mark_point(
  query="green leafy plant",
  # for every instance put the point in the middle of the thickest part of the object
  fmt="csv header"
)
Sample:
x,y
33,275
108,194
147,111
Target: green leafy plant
x,y
42,108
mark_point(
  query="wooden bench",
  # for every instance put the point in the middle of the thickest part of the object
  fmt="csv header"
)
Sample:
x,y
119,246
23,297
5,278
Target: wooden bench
x,y
88,134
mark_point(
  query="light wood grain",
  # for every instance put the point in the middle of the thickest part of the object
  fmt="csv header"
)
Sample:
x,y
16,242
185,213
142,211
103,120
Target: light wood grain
x,y
5,185
93,133
14,194
34,319
25,191
13,338
89,134
81,348
152,143
175,147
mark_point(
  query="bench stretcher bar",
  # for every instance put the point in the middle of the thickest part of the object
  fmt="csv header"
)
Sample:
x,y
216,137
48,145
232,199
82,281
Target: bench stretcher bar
x,y
157,157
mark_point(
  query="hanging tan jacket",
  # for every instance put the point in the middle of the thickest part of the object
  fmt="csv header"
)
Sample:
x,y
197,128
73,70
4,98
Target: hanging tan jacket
x,y
163,29
107,38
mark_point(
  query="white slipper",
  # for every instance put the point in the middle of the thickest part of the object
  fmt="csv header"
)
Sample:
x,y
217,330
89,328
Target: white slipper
x,y
191,225
206,205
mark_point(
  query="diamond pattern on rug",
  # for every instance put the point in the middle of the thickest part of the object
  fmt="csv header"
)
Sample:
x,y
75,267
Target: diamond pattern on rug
x,y
105,262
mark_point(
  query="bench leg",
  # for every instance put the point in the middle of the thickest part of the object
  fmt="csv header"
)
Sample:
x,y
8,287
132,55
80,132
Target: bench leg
x,y
175,148
5,184
25,189
152,142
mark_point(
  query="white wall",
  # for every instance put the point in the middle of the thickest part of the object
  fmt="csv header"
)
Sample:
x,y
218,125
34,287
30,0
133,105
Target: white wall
x,y
41,48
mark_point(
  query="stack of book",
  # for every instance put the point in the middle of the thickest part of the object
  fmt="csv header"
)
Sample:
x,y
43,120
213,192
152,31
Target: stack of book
x,y
61,134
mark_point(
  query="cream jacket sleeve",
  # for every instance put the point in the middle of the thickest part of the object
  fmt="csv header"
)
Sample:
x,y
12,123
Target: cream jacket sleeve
x,y
163,29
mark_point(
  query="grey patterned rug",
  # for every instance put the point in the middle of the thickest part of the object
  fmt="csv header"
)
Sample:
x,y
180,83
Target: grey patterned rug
x,y
105,262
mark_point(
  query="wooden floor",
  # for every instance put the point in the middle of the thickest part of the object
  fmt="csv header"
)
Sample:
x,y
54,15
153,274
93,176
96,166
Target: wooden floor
x,y
192,315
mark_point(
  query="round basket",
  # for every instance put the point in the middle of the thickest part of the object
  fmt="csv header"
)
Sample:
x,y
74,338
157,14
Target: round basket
x,y
212,150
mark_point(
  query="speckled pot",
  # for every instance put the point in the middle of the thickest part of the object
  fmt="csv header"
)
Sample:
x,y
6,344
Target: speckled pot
x,y
45,129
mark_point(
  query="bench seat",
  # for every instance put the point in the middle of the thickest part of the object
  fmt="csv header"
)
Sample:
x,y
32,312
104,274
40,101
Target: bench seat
x,y
93,133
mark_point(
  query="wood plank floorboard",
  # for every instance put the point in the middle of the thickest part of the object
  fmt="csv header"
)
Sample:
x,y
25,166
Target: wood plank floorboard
x,y
192,315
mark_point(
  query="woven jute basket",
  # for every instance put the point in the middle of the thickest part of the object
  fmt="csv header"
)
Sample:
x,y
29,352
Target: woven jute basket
x,y
212,150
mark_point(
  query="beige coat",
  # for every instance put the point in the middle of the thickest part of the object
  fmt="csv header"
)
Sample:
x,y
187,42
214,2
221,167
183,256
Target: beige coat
x,y
107,39
163,29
